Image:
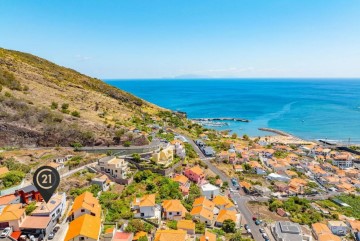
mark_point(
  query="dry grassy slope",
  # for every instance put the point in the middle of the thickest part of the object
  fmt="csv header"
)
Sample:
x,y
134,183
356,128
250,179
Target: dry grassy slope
x,y
48,82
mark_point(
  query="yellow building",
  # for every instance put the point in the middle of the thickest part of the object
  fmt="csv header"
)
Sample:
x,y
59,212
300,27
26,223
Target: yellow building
x,y
164,156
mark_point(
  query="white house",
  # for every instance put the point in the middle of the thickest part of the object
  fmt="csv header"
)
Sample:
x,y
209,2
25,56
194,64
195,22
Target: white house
x,y
55,165
179,148
116,167
209,191
173,210
278,177
144,207
102,181
62,159
55,208
83,204
343,161
12,216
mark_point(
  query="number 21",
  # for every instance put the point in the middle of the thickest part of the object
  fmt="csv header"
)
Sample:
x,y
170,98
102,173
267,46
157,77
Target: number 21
x,y
46,178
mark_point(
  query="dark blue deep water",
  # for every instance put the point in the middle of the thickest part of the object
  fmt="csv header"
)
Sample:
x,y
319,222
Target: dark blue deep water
x,y
310,109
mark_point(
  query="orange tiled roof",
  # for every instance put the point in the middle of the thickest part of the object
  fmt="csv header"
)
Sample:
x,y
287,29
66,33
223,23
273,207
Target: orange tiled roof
x,y
255,164
173,206
197,170
320,228
7,199
355,225
12,212
221,200
203,201
146,201
173,235
85,225
328,237
203,212
226,214
86,201
186,225
245,184
208,236
181,179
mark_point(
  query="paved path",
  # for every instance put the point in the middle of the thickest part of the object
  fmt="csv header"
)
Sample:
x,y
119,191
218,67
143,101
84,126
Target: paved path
x,y
69,173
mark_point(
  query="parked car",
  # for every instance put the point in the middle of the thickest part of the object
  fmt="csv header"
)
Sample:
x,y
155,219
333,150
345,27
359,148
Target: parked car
x,y
254,218
51,235
56,229
264,235
41,237
246,226
6,232
248,230
32,238
262,230
257,222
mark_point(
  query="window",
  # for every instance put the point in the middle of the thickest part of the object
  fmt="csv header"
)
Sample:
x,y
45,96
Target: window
x,y
178,213
170,213
82,210
142,214
81,238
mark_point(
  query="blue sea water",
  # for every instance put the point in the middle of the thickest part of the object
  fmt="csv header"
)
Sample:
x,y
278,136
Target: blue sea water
x,y
310,109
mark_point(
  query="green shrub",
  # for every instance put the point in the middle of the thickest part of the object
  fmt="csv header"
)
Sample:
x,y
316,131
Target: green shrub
x,y
30,208
127,144
8,79
12,178
75,113
54,105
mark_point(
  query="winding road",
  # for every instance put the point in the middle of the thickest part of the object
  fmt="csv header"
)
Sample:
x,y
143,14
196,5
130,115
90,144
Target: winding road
x,y
238,198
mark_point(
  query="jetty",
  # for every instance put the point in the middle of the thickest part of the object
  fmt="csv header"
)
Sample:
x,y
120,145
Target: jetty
x,y
281,133
221,119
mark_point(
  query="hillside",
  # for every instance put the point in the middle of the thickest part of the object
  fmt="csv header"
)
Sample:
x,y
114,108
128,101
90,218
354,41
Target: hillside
x,y
43,104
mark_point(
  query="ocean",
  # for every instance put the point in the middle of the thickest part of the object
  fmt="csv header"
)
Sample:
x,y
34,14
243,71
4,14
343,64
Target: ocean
x,y
308,108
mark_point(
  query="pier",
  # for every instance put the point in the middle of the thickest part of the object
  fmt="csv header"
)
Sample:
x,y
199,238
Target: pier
x,y
281,133
221,119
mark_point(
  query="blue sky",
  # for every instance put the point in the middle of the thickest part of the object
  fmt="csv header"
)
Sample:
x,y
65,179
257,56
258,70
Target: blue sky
x,y
169,38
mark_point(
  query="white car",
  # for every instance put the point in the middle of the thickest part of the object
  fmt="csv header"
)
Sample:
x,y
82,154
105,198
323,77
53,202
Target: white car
x,y
6,232
248,230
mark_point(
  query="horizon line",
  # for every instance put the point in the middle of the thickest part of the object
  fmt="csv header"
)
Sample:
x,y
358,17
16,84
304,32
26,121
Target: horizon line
x,y
237,78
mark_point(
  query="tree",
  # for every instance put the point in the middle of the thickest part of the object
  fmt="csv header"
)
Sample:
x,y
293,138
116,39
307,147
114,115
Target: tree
x,y
238,237
246,137
274,205
136,157
246,166
234,136
143,238
228,226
